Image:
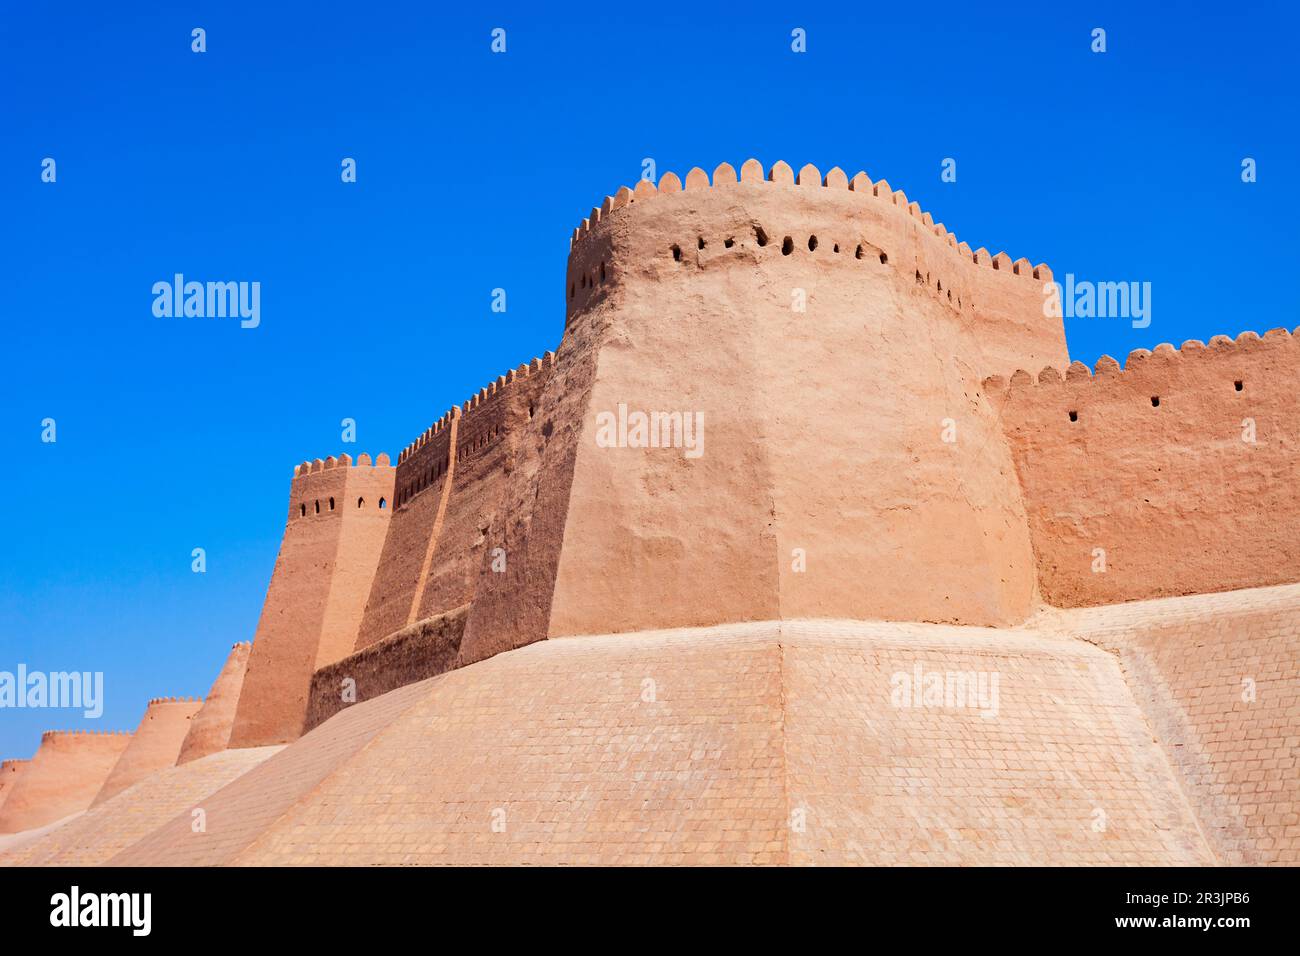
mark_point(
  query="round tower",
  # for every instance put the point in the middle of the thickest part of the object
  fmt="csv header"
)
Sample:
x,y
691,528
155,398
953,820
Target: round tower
x,y
828,339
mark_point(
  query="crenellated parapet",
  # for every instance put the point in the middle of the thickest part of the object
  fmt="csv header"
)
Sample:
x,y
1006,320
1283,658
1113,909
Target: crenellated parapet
x,y
830,236
500,383
54,735
320,487
1171,475
338,515
1222,352
880,194
424,461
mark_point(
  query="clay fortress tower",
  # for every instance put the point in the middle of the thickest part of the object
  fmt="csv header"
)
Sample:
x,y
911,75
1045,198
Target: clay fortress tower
x,y
807,544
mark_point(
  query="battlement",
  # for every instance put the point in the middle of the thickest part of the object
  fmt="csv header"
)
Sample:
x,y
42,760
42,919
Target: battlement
x,y
1221,350
174,700
320,487
781,174
342,461
1171,475
55,735
337,516
498,384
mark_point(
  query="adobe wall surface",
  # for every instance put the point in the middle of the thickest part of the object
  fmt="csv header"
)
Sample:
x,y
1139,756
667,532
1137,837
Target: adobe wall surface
x,y
210,729
1178,499
418,495
466,488
761,743
62,779
1219,679
154,746
93,837
253,802
9,771
317,594
823,429
423,649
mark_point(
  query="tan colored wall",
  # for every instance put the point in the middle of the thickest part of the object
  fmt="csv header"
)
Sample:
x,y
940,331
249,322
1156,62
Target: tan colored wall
x,y
250,804
210,729
317,594
424,649
823,428
154,746
62,779
1217,676
9,771
765,743
469,485
420,477
1177,500
107,828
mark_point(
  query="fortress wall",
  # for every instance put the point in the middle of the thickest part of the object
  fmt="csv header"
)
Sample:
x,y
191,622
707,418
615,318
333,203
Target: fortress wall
x,y
1177,499
154,746
9,771
252,802
424,649
361,541
483,450
514,607
1217,676
210,729
659,539
422,471
62,779
451,487
1062,771
583,769
763,743
317,594
96,835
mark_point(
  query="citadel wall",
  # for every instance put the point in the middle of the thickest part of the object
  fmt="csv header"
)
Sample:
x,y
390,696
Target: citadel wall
x,y
210,729
681,301
450,491
62,779
338,517
9,771
154,746
823,427
1180,468
1216,676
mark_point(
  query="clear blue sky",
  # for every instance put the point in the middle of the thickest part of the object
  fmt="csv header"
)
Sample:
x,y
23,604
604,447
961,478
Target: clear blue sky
x,y
473,169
